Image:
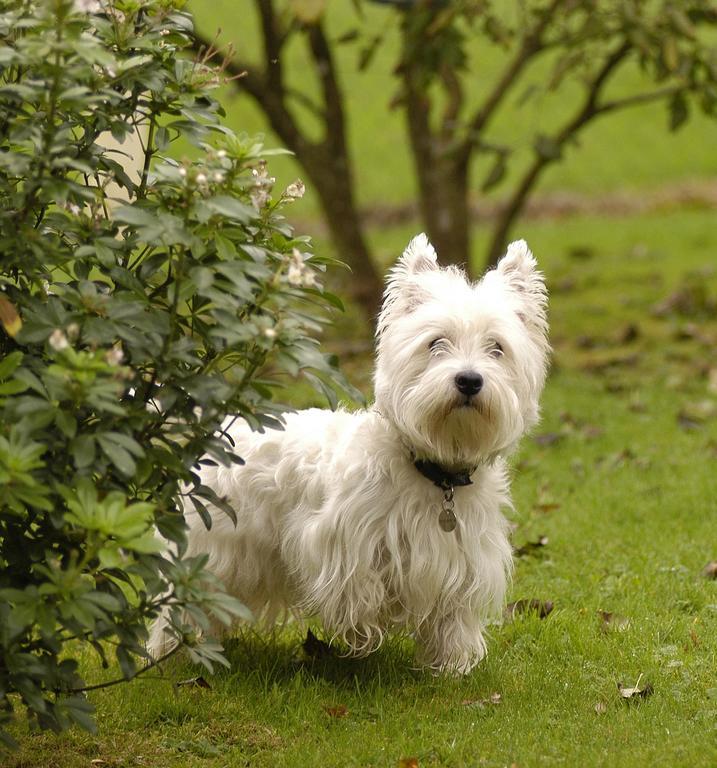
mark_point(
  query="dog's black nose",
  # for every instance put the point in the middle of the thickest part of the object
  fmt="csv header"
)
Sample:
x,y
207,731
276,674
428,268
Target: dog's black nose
x,y
469,382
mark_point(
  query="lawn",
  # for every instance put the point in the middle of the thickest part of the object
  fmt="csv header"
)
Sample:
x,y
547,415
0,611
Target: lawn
x,y
621,480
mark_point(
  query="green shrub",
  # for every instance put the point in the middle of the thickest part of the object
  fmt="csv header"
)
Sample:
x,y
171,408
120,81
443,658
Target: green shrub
x,y
137,311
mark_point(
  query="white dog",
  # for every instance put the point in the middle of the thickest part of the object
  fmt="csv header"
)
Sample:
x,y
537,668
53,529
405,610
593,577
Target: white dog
x,y
390,518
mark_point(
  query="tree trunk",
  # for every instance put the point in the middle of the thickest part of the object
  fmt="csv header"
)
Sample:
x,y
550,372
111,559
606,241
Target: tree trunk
x,y
442,181
443,190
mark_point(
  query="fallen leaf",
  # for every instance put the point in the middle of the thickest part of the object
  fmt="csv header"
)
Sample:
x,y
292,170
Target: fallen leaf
x,y
605,362
547,506
600,708
338,711
710,570
636,691
629,333
9,317
613,621
531,547
581,252
712,380
542,607
494,698
195,682
315,648
592,431
693,642
693,332
693,415
408,762
548,438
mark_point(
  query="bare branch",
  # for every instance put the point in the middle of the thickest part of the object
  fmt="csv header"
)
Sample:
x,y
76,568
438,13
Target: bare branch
x,y
273,41
116,681
332,96
638,99
589,110
306,102
532,45
454,92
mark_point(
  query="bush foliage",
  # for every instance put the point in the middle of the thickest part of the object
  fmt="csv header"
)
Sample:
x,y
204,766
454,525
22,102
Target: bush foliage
x,y
137,310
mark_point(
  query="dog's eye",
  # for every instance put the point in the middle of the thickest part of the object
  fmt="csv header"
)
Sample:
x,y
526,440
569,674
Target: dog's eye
x,y
436,344
496,349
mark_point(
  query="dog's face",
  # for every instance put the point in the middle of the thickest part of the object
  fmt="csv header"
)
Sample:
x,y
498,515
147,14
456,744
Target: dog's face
x,y
461,366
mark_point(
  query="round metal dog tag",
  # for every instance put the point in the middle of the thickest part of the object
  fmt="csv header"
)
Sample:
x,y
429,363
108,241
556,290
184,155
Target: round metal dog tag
x,y
447,520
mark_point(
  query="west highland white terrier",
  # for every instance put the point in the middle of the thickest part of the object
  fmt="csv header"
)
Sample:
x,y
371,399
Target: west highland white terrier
x,y
390,518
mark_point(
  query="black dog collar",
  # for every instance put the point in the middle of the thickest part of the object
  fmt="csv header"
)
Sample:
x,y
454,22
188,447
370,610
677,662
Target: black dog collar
x,y
441,477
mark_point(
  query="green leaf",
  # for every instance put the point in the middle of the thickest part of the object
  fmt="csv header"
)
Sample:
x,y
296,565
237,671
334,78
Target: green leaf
x,y
231,208
679,111
118,455
9,364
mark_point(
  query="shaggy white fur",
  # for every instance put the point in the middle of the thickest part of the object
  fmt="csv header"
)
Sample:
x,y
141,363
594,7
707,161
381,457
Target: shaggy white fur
x,y
334,518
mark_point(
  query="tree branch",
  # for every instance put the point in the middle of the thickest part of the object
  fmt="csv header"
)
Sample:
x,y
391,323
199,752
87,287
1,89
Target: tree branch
x,y
638,99
259,86
119,680
335,128
532,44
454,92
273,42
587,112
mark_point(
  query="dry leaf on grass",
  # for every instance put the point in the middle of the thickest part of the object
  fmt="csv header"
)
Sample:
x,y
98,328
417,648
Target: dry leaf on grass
x,y
338,711
637,691
408,762
613,621
548,438
494,698
710,570
315,648
600,708
531,547
542,607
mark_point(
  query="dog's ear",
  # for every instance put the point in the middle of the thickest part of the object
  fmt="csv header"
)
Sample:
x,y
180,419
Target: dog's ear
x,y
519,270
419,256
403,293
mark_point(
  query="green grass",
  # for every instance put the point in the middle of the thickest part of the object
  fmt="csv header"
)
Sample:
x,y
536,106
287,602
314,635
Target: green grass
x,y
621,482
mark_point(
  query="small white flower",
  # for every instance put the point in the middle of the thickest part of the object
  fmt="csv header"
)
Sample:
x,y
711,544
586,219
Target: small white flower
x,y
309,279
222,153
74,209
218,177
295,190
73,331
87,6
295,275
270,333
182,172
259,197
164,32
58,340
201,178
114,356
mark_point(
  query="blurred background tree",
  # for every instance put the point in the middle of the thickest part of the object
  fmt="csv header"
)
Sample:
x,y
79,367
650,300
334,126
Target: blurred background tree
x,y
453,102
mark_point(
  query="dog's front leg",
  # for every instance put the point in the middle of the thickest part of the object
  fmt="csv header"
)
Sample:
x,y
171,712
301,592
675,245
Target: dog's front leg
x,y
335,558
450,642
